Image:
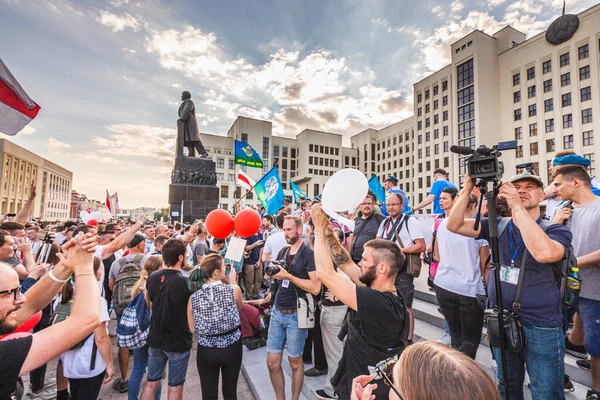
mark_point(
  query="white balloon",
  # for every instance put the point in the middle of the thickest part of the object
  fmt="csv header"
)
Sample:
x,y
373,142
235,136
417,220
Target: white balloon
x,y
345,190
96,215
85,216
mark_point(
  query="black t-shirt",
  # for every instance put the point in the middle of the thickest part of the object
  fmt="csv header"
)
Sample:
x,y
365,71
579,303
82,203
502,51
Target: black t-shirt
x,y
12,356
255,252
367,230
169,294
381,317
302,263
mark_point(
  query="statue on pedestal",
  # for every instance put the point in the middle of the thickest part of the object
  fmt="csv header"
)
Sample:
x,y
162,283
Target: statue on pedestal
x,y
188,127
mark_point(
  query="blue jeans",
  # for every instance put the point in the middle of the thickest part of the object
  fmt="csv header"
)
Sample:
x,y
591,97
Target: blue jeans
x,y
282,328
140,363
543,357
589,312
178,365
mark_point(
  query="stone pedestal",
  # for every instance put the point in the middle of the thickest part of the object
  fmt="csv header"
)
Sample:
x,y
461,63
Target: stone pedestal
x,y
193,196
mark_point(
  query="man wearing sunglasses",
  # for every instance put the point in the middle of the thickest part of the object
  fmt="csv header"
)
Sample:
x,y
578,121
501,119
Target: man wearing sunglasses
x,y
377,324
21,355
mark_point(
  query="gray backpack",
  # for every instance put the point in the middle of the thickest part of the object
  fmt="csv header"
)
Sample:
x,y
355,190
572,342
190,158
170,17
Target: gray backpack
x,y
129,274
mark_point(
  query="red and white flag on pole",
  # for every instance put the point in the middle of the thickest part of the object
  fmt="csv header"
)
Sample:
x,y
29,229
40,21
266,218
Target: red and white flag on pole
x,y
114,201
244,180
108,204
16,107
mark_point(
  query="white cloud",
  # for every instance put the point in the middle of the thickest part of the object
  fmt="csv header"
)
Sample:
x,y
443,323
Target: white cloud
x,y
314,90
128,79
28,130
382,23
57,147
118,23
130,51
153,143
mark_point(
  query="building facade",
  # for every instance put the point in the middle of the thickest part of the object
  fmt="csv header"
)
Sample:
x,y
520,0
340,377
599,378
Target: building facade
x,y
497,88
20,168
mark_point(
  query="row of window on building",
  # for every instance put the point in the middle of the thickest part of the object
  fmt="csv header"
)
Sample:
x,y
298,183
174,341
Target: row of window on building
x,y
435,91
564,60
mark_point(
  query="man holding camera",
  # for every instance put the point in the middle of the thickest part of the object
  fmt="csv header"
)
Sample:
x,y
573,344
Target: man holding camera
x,y
540,310
295,277
377,325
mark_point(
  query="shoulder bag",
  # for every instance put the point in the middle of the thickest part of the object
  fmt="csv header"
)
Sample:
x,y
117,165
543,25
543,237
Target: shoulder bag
x,y
413,260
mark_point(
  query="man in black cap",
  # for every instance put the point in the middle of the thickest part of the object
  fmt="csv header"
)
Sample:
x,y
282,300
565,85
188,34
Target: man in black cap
x,y
136,256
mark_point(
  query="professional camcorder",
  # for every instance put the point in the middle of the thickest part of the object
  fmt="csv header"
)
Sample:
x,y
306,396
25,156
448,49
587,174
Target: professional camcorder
x,y
275,266
484,163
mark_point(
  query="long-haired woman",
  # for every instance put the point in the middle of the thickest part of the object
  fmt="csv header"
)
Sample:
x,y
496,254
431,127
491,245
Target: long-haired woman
x,y
213,312
140,356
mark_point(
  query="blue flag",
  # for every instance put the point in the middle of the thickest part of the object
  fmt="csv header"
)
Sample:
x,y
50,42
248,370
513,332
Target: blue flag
x,y
297,191
244,154
375,187
270,192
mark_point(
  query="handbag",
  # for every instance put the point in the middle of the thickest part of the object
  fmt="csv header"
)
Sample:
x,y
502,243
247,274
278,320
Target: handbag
x,y
413,260
514,335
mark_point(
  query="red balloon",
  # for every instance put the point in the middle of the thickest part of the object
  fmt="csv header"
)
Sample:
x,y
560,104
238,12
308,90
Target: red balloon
x,y
30,323
14,335
247,222
219,223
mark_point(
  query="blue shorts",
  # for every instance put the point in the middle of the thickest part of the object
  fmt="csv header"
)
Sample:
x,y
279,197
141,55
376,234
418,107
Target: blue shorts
x,y
589,312
178,365
282,328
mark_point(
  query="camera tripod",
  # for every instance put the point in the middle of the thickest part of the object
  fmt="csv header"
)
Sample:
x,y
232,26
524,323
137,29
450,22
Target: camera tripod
x,y
491,196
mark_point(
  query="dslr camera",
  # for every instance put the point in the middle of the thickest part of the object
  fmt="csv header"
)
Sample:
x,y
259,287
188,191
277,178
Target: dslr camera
x,y
483,163
275,266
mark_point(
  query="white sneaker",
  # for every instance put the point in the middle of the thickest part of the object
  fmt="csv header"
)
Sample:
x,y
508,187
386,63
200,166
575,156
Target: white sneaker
x,y
46,394
445,340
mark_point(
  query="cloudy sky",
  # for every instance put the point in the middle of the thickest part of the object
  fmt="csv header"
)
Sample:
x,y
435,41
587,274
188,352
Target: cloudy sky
x,y
109,74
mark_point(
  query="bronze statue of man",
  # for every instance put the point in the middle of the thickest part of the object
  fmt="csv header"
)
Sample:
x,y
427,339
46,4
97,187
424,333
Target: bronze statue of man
x,y
191,135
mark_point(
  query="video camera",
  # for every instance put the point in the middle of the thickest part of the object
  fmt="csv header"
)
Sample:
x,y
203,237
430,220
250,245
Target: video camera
x,y
484,164
275,266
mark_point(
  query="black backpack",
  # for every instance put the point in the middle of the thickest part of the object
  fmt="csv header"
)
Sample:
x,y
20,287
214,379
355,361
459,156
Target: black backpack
x,y
129,274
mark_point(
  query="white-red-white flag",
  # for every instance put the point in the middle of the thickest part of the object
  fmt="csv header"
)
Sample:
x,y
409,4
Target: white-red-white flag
x,y
16,107
244,180
114,200
108,204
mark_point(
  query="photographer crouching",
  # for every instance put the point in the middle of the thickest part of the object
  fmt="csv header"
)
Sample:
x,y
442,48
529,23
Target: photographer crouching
x,y
294,274
377,325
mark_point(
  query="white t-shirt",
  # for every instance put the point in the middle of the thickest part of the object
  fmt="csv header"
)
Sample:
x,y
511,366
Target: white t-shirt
x,y
458,271
275,243
76,363
410,231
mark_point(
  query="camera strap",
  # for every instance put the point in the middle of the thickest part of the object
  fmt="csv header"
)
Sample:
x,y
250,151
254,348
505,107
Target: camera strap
x,y
516,306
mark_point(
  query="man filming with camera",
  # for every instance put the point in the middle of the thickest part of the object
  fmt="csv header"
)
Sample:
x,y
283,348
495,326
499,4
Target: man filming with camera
x,y
377,325
540,302
294,274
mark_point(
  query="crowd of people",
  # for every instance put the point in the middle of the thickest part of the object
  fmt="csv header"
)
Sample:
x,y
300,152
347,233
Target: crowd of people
x,y
311,286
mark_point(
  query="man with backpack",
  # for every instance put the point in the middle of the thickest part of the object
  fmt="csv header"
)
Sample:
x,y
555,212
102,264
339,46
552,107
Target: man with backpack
x,y
405,231
124,273
530,251
573,184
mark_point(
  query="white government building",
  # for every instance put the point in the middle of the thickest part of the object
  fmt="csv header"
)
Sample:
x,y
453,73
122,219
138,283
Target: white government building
x,y
497,87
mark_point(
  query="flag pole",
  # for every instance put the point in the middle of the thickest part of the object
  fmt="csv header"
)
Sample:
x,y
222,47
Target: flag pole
x,y
235,205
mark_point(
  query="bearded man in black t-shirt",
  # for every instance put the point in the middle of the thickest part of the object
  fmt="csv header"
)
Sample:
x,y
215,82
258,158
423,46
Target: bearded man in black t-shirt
x,y
377,324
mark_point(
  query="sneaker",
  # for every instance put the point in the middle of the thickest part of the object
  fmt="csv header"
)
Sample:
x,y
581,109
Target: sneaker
x,y
445,340
50,382
574,350
592,395
44,394
569,388
315,372
321,395
585,364
120,385
204,155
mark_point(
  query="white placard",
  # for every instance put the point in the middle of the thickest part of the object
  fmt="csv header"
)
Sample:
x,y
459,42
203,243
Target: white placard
x,y
235,249
175,214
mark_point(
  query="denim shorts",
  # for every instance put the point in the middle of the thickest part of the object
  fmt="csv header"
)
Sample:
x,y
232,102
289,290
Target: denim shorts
x,y
589,312
282,328
178,365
